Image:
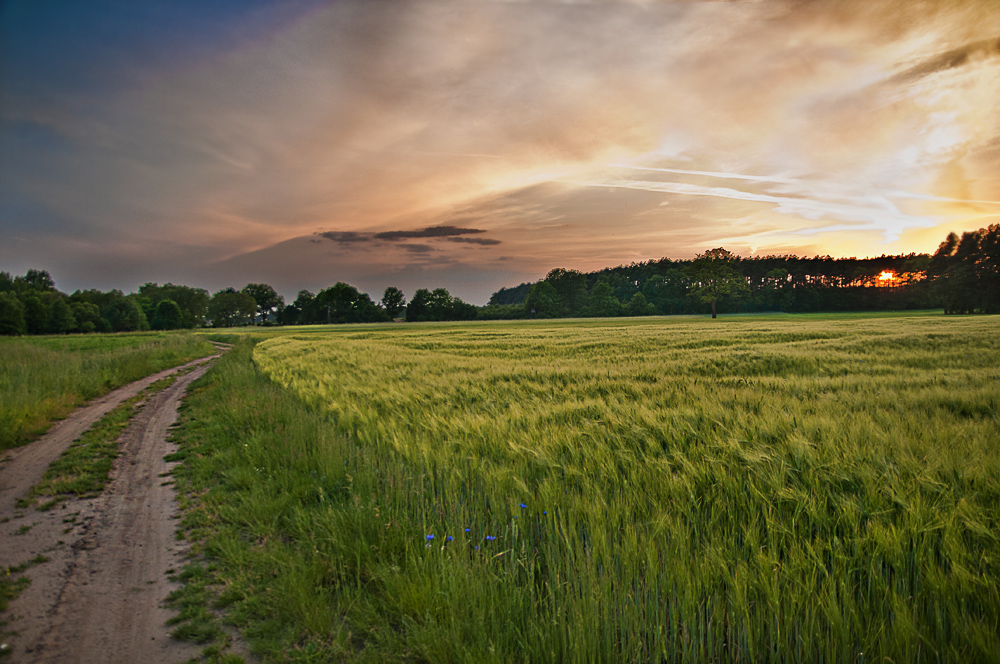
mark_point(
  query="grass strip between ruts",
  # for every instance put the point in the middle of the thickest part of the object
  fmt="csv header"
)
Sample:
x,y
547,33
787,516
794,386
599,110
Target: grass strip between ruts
x,y
82,470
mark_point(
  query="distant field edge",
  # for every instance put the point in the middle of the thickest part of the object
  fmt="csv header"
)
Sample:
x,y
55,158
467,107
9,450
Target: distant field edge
x,y
44,378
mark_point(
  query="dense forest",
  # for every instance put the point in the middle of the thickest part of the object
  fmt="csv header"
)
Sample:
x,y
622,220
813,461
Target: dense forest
x,y
963,277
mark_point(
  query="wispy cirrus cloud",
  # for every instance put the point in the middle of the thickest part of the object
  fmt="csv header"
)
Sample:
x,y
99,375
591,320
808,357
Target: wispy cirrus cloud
x,y
857,210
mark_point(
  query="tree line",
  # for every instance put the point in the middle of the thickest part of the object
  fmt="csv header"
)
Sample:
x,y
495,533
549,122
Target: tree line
x,y
718,280
963,276
965,272
31,304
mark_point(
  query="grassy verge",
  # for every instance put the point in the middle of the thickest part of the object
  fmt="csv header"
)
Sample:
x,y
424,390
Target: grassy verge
x,y
226,412
757,490
44,378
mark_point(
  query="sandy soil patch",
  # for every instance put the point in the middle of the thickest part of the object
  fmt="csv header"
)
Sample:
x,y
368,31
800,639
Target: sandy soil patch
x,y
99,596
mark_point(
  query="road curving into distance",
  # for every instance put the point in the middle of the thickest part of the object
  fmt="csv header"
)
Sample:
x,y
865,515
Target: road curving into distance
x,y
98,567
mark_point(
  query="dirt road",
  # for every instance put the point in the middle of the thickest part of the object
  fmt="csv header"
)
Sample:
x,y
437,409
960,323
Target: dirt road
x,y
99,596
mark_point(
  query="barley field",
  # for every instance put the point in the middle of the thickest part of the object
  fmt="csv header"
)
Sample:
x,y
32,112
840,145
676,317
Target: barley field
x,y
786,489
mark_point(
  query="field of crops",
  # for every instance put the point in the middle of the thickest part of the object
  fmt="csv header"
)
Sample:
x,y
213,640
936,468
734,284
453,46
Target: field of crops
x,y
43,378
750,489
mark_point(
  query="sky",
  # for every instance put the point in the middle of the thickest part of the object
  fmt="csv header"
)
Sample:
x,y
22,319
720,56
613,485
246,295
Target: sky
x,y
473,144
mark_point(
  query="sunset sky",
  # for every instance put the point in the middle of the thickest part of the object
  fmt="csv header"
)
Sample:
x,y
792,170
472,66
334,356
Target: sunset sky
x,y
473,144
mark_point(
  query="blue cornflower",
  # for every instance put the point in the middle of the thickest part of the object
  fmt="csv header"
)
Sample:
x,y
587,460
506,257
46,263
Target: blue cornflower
x,y
515,517
448,538
468,530
523,505
477,546
545,512
430,537
490,538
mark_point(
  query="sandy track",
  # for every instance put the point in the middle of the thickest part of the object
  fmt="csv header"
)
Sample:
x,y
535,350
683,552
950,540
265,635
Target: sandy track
x,y
99,597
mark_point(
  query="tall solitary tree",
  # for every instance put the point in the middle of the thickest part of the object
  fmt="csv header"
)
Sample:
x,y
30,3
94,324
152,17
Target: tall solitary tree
x,y
714,276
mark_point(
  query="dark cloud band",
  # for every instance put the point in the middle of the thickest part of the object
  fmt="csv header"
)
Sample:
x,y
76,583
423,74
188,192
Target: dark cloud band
x,y
417,248
484,241
347,237
950,60
449,233
429,232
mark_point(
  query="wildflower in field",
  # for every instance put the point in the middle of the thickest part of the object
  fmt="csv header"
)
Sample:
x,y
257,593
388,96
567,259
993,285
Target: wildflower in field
x,y
449,538
468,530
523,505
490,538
430,537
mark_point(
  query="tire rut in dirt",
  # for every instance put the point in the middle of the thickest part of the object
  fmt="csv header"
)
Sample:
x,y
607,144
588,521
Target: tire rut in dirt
x,y
99,597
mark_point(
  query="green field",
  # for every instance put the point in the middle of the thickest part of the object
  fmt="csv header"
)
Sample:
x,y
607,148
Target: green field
x,y
44,378
786,488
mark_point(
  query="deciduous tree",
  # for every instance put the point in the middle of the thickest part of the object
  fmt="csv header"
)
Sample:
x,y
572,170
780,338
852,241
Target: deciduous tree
x,y
714,276
571,286
168,316
267,299
229,307
639,306
416,310
125,315
36,315
60,318
603,302
36,280
193,302
543,301
343,303
11,315
393,301
87,315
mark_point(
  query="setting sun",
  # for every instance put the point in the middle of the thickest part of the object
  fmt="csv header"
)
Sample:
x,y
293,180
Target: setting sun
x,y
886,275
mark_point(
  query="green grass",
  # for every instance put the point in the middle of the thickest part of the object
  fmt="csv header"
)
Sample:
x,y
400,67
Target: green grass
x,y
13,582
783,488
44,378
